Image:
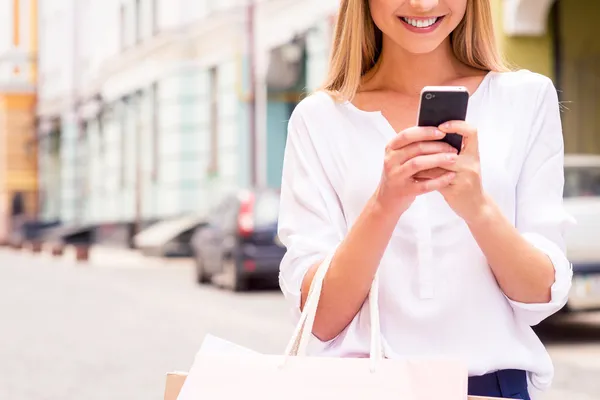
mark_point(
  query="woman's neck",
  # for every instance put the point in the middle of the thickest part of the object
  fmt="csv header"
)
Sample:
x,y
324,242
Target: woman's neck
x,y
407,73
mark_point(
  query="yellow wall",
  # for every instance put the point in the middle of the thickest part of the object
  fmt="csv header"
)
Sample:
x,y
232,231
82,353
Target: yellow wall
x,y
18,145
18,155
17,134
532,53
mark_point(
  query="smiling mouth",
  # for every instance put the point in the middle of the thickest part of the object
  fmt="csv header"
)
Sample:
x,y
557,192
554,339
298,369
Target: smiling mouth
x,y
421,22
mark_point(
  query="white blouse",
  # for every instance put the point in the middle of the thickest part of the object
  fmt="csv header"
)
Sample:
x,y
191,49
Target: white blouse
x,y
438,295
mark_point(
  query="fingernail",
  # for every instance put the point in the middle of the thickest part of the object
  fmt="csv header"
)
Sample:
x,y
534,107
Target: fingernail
x,y
438,133
451,157
446,125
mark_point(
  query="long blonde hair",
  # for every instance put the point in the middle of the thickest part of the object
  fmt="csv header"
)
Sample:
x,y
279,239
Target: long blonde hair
x,y
358,41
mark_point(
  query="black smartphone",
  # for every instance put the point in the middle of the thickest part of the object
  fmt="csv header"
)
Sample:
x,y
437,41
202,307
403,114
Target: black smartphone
x,y
441,104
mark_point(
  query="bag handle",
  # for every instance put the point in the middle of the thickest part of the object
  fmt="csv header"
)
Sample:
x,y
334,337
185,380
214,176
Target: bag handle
x,y
303,331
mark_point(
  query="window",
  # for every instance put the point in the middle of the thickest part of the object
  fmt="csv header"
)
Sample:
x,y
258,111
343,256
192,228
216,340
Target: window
x,y
155,132
123,141
213,166
123,26
154,17
227,212
101,135
266,209
139,18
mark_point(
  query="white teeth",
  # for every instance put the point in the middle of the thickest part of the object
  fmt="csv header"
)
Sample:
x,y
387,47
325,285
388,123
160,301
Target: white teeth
x,y
420,23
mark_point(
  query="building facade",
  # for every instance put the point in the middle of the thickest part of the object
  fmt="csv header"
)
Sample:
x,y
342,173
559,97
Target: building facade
x,y
184,102
187,100
18,78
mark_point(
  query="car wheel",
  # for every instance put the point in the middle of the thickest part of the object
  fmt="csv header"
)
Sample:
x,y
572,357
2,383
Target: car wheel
x,y
234,281
201,276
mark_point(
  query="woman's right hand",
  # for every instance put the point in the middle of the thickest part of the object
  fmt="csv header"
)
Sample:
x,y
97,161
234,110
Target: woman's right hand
x,y
411,152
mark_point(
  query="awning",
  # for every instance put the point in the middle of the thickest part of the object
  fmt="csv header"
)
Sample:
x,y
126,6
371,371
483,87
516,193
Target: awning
x,y
526,17
65,232
163,232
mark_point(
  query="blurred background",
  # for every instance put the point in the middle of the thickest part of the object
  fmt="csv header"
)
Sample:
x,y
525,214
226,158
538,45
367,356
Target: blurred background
x,y
141,149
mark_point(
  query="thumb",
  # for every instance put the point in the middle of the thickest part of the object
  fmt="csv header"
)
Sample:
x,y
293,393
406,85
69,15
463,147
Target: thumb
x,y
469,134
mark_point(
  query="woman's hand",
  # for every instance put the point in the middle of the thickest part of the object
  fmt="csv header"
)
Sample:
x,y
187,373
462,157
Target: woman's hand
x,y
465,194
411,152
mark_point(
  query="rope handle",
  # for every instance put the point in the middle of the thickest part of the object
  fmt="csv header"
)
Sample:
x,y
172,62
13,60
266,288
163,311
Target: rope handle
x,y
298,344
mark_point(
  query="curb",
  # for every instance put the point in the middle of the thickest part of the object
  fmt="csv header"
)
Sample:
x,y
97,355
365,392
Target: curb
x,y
86,255
79,254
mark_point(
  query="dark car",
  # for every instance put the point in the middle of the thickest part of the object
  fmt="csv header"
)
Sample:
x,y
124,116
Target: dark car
x,y
239,241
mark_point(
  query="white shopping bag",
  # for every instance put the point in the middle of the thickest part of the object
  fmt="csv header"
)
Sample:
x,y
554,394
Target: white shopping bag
x,y
224,370
217,346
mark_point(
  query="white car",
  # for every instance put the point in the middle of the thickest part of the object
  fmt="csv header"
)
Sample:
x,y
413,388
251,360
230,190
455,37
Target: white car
x,y
582,201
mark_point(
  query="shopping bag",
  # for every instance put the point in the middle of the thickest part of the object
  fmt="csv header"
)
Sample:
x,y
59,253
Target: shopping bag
x,y
216,345
294,376
175,381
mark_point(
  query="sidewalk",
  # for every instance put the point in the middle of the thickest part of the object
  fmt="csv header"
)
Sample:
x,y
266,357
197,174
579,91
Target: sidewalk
x,y
113,256
105,256
557,394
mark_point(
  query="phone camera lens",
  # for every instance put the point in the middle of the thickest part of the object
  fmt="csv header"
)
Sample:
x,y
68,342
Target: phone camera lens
x,y
429,96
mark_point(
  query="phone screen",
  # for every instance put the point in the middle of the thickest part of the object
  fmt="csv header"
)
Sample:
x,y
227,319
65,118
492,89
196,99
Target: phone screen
x,y
439,106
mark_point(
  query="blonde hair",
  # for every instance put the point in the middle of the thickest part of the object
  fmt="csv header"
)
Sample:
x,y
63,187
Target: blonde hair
x,y
357,45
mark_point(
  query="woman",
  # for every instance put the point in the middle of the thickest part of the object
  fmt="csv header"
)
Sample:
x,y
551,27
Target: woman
x,y
469,247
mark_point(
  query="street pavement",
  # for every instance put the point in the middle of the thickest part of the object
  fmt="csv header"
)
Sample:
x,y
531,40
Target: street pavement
x,y
97,332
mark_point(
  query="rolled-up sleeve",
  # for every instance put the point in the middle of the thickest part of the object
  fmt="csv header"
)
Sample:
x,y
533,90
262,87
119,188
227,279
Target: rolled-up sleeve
x,y
540,216
311,222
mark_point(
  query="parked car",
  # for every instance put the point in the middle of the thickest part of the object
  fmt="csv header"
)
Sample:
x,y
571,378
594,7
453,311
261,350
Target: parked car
x,y
582,201
239,241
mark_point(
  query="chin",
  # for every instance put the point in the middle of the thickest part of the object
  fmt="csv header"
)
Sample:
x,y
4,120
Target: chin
x,y
422,49
419,47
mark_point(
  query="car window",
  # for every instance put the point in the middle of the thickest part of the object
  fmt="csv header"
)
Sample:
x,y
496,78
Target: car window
x,y
214,215
230,212
582,182
266,209
218,214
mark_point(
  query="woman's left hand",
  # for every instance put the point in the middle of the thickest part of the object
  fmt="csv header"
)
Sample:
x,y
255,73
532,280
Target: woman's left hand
x,y
465,194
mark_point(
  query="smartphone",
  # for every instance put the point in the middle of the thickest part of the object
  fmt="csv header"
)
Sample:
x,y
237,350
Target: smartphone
x,y
441,104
